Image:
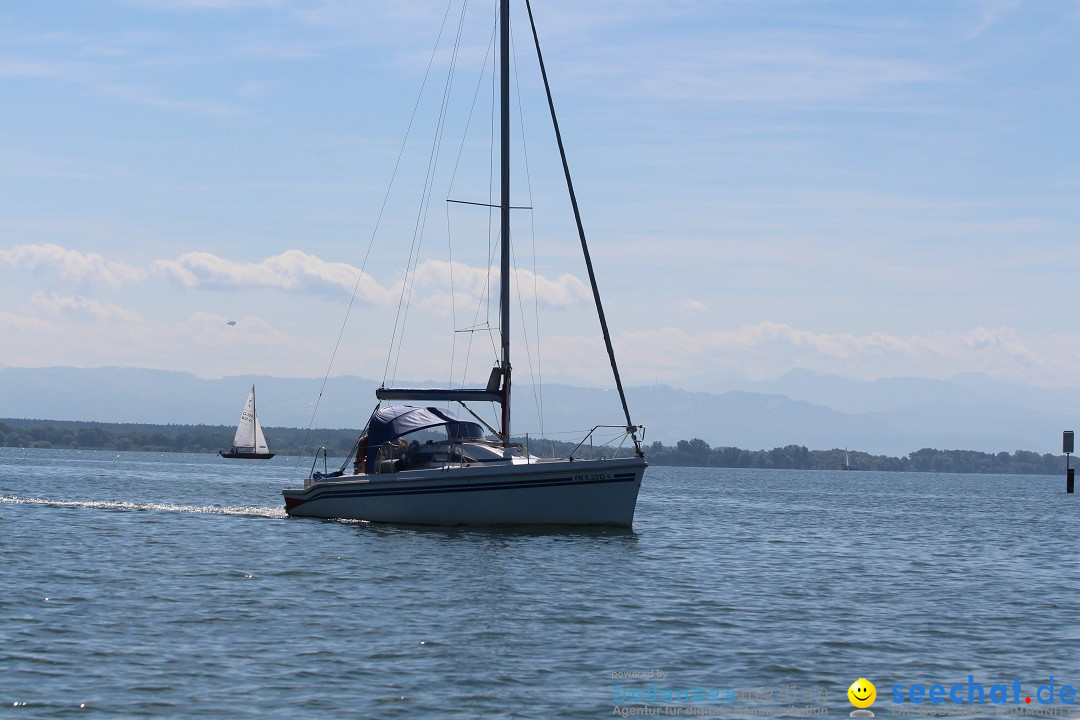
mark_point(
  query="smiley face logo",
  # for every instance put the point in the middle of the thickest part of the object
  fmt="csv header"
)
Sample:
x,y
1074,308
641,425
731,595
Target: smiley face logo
x,y
862,693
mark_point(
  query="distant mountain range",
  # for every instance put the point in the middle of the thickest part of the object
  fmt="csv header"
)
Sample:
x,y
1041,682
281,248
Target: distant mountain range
x,y
893,416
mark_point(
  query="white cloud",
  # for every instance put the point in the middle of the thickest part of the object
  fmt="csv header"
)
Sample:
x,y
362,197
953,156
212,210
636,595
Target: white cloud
x,y
991,13
109,74
769,349
291,270
471,284
79,309
295,271
693,306
79,332
50,329
777,74
71,264
153,98
15,328
36,69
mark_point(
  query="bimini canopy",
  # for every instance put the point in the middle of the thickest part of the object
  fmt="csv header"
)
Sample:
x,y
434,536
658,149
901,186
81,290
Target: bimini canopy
x,y
389,423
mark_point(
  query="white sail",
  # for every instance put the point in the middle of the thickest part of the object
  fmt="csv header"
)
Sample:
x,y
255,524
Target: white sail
x,y
245,430
260,441
248,429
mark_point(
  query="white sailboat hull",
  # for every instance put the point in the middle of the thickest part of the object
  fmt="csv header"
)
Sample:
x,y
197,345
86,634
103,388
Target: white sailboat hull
x,y
545,492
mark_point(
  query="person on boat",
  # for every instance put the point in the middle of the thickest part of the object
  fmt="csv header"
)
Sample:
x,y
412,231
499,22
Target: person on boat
x,y
360,464
391,456
412,456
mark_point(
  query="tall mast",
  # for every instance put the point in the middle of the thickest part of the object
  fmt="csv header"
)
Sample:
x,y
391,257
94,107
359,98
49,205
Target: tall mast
x,y
504,210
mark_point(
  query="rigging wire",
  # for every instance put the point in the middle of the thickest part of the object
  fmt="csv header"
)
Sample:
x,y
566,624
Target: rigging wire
x,y
631,428
484,301
409,281
408,284
449,191
371,240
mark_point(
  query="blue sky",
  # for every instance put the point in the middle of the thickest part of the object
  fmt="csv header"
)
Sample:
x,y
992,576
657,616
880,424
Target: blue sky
x,y
868,188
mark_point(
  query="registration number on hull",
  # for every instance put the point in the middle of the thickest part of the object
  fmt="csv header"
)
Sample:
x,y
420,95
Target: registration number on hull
x,y
591,477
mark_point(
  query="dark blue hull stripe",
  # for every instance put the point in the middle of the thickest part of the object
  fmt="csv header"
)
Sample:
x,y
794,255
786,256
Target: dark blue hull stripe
x,y
369,491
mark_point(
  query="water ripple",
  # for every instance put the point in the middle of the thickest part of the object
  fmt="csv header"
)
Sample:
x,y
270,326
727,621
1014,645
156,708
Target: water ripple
x,y
136,585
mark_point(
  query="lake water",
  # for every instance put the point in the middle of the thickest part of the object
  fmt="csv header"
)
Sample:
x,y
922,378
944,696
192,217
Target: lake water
x,y
146,585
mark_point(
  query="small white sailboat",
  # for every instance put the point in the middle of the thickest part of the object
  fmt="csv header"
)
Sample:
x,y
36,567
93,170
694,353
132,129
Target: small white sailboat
x,y
249,443
847,462
421,464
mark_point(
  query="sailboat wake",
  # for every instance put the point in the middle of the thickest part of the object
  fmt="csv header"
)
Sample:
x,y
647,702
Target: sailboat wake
x,y
249,511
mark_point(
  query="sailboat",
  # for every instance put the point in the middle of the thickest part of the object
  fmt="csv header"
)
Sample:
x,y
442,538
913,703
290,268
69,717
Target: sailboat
x,y
249,442
421,464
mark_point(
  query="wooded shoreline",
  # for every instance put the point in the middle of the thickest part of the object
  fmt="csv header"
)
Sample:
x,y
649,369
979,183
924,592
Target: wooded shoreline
x,y
85,435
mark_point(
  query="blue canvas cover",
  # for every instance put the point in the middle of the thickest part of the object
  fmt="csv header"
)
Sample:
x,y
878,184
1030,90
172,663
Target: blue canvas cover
x,y
392,422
